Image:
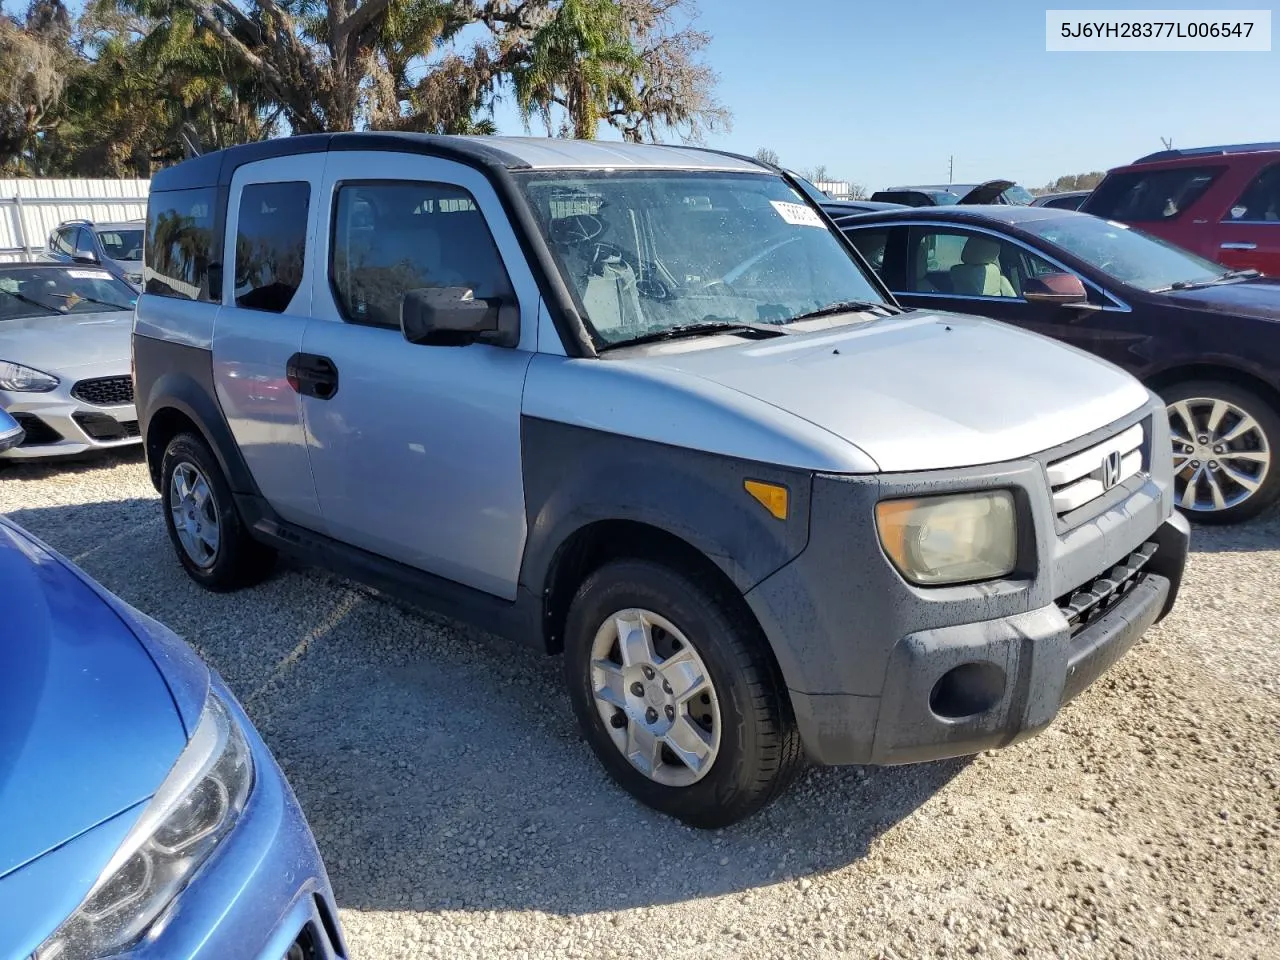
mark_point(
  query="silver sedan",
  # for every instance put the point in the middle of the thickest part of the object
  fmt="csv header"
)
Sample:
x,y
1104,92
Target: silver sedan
x,y
65,368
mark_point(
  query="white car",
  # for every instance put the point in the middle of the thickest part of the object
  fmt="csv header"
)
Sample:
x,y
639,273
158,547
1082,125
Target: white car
x,y
64,358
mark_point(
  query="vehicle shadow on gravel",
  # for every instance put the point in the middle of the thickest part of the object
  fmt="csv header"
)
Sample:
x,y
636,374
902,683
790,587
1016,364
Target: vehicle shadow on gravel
x,y
1260,533
441,768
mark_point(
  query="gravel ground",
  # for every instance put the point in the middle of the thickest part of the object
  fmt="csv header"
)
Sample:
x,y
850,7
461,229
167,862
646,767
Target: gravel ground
x,y
460,813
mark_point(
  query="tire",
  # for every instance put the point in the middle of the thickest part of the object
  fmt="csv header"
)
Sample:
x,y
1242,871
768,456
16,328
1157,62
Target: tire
x,y
1247,483
745,716
225,557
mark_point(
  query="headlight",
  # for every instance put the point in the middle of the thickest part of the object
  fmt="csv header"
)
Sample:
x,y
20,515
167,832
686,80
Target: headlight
x,y
195,807
20,379
950,539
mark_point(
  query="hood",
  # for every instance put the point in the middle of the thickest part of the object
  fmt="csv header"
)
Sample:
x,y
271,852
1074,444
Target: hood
x,y
88,727
62,343
925,391
988,192
1246,298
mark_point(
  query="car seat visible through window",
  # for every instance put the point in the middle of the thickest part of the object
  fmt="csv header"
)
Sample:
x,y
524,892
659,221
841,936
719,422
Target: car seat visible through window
x,y
978,273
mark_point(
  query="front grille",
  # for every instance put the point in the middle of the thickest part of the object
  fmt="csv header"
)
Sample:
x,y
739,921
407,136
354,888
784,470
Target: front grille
x,y
1083,477
38,433
104,391
1086,604
103,428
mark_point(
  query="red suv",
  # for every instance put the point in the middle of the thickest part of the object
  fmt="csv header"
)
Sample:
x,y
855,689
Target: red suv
x,y
1220,202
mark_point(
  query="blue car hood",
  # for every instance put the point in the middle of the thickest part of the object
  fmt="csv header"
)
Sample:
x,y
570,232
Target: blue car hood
x,y
88,726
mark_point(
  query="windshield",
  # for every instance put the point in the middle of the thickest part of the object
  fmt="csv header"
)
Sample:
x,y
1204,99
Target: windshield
x,y
49,291
121,244
649,251
1128,255
1020,196
943,198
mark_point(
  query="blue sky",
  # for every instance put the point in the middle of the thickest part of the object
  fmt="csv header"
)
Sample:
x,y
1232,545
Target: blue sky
x,y
883,93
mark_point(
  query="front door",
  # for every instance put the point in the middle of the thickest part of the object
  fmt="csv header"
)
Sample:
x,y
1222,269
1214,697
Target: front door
x,y
415,448
269,253
977,272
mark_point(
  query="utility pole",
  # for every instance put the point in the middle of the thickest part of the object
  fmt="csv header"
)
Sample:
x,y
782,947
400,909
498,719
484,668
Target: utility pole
x,y
951,170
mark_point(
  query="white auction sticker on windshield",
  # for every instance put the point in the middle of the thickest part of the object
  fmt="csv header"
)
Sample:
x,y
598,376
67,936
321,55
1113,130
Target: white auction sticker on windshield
x,y
797,214
89,274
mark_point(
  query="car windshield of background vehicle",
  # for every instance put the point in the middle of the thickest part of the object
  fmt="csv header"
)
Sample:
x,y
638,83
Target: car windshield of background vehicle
x,y
651,251
122,244
1150,196
944,199
1020,196
53,291
1130,256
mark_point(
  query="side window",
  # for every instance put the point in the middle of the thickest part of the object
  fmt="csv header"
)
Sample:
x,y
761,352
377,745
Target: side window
x,y
179,244
84,243
62,241
871,244
1150,196
389,238
1260,202
271,243
962,263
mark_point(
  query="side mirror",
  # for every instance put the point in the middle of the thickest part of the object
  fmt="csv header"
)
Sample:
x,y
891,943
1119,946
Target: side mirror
x,y
86,256
11,432
449,316
1064,289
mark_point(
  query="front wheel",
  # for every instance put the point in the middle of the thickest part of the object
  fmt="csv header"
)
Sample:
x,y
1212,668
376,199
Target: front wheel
x,y
1224,441
678,694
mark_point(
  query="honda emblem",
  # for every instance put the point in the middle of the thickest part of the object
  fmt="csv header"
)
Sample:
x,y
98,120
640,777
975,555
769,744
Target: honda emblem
x,y
1111,469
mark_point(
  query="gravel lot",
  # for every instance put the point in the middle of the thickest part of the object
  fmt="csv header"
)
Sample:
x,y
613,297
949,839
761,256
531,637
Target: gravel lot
x,y
460,814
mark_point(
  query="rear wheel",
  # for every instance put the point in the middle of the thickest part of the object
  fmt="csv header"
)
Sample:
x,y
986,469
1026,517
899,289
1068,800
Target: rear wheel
x,y
211,540
1224,448
678,694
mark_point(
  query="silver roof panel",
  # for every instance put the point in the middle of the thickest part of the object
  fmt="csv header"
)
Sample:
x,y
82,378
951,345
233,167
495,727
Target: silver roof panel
x,y
545,153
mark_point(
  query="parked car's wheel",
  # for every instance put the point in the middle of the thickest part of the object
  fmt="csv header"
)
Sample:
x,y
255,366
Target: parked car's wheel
x,y
210,538
1224,450
678,694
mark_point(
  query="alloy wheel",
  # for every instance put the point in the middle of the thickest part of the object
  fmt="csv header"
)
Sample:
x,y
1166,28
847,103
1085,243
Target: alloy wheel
x,y
1221,455
655,697
195,515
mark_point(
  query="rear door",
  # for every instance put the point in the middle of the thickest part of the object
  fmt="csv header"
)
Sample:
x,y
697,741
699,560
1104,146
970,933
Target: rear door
x,y
272,216
415,449
1249,233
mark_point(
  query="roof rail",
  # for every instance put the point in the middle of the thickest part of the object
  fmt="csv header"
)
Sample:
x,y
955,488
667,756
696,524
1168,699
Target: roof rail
x,y
1217,151
84,220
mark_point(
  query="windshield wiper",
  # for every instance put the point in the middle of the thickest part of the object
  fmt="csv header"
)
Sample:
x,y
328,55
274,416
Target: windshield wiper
x,y
847,306
698,329
1194,284
80,299
34,303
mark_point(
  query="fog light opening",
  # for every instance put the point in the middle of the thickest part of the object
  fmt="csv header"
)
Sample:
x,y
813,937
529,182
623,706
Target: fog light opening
x,y
967,690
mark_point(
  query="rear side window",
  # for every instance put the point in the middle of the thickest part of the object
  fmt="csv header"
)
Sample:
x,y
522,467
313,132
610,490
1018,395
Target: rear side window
x,y
271,243
179,244
1260,202
1150,196
389,238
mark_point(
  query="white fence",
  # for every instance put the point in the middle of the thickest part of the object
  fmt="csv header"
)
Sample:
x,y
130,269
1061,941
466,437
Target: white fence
x,y
30,209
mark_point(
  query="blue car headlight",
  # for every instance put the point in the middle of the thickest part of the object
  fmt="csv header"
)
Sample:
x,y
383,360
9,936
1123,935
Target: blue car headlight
x,y
196,806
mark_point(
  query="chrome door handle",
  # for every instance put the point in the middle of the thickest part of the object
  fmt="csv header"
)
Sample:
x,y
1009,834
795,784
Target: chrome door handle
x,y
1238,246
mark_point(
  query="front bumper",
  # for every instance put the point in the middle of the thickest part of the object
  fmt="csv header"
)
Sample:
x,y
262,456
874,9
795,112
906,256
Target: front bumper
x,y
58,425
880,671
263,890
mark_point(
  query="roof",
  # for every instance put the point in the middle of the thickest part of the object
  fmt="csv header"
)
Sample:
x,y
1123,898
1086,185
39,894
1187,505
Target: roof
x,y
1216,151
974,213
511,153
